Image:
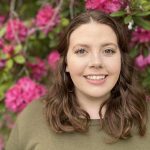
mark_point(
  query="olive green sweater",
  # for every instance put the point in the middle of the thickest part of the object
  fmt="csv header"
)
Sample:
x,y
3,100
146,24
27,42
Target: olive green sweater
x,y
31,132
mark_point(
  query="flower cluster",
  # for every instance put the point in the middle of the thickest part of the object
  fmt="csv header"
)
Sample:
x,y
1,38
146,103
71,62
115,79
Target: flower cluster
x,y
47,18
140,35
15,28
142,62
53,58
22,93
2,19
107,6
8,49
38,69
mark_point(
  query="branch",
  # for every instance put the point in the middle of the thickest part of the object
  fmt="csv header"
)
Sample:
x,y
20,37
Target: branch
x,y
71,8
12,13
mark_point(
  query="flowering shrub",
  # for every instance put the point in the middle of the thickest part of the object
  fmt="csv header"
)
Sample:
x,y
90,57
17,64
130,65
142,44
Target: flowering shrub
x,y
29,35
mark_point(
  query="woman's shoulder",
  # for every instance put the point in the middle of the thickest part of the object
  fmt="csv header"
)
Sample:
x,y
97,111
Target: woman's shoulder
x,y
32,116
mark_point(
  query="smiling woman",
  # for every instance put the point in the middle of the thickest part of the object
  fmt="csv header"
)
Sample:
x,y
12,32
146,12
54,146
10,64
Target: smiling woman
x,y
95,87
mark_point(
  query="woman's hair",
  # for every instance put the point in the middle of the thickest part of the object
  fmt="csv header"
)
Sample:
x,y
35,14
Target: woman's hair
x,y
124,109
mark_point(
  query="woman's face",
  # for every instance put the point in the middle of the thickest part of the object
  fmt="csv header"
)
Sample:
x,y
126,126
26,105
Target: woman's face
x,y
93,60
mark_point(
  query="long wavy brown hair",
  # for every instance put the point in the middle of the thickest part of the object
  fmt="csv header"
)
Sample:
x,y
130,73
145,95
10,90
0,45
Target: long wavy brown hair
x,y
124,109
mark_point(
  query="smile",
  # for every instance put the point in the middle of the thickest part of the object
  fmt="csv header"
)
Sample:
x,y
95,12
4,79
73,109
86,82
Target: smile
x,y
95,77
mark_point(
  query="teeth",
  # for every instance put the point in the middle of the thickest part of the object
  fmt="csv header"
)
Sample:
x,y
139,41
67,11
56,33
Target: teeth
x,y
94,77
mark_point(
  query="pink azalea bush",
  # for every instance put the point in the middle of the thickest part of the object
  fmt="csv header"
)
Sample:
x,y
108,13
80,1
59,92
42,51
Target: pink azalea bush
x,y
140,35
17,27
22,93
53,58
46,18
38,69
107,6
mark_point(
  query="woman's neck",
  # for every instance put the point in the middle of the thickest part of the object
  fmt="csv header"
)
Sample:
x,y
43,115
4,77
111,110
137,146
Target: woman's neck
x,y
92,105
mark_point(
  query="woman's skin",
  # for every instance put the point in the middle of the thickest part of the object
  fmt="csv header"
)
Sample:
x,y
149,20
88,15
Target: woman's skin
x,y
94,64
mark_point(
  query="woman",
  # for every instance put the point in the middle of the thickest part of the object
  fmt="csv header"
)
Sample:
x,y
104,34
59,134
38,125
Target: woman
x,y
94,102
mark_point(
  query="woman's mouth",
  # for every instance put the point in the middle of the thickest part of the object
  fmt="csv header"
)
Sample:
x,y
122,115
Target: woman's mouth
x,y
96,79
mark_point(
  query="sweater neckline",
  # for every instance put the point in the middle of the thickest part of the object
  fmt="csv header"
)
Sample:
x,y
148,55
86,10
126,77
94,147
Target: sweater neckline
x,y
94,122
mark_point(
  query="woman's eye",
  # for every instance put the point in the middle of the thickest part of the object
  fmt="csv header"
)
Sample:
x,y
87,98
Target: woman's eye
x,y
80,51
109,51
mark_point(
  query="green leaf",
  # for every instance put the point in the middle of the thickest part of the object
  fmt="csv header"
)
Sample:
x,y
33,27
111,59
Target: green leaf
x,y
9,64
19,59
18,48
141,22
2,31
146,13
64,21
118,14
127,19
133,52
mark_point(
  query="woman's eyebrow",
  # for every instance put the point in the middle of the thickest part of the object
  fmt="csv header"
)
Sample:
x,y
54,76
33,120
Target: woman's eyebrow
x,y
108,44
82,45
102,45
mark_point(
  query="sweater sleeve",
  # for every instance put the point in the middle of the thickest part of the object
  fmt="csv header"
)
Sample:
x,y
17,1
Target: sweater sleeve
x,y
13,140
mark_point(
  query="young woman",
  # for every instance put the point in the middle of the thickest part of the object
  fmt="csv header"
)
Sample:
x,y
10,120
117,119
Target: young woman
x,y
94,102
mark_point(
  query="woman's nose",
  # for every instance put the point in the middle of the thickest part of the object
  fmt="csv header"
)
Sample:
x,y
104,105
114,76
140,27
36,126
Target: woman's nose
x,y
96,61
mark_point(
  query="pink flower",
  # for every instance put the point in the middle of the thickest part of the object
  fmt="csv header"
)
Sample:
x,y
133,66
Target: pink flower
x,y
8,49
94,4
53,58
46,18
1,143
17,27
140,62
38,69
22,93
107,6
140,35
2,19
2,63
1,43
147,59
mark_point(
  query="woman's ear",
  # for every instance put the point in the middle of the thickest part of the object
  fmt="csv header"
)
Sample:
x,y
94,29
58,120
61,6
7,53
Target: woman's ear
x,y
67,70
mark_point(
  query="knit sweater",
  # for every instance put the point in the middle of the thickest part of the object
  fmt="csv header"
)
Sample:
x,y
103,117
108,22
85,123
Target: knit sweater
x,y
31,132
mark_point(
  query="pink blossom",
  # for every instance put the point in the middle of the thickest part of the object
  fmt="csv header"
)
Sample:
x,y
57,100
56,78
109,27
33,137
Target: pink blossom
x,y
2,63
1,143
147,59
22,93
46,18
8,49
2,19
140,62
53,58
38,69
1,43
107,6
140,35
94,4
17,27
